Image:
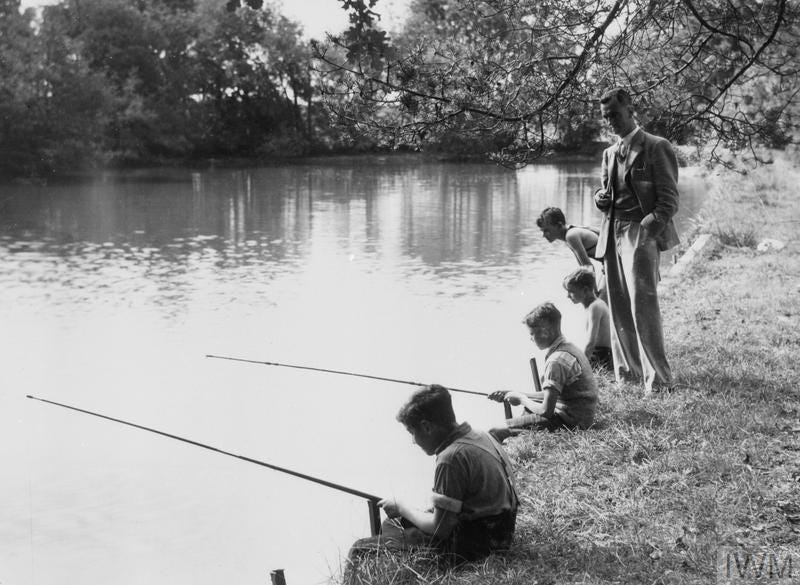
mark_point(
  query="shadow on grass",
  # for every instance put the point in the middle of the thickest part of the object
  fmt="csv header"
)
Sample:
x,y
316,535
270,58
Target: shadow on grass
x,y
645,562
716,384
640,418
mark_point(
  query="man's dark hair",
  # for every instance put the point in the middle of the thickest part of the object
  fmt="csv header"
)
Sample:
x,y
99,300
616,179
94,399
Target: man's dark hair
x,y
552,216
580,278
431,403
618,93
544,314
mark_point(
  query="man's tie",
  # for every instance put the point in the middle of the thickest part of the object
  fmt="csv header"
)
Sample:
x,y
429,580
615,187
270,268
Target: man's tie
x,y
622,151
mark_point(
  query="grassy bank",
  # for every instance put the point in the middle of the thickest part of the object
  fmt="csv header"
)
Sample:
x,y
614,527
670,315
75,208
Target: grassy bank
x,y
668,484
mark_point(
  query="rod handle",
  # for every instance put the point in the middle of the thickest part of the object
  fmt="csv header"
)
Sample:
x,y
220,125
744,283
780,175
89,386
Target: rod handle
x,y
374,518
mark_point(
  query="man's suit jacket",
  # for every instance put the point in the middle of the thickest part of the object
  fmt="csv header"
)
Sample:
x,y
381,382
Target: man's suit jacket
x,y
651,172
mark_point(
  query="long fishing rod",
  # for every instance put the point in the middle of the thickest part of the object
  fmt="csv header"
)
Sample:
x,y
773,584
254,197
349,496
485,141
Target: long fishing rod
x,y
372,499
235,359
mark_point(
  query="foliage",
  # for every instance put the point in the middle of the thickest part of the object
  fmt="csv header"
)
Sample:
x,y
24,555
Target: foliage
x,y
532,70
17,84
52,106
93,82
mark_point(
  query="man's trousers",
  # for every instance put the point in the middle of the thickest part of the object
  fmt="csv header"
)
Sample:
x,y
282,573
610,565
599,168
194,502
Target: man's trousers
x,y
637,338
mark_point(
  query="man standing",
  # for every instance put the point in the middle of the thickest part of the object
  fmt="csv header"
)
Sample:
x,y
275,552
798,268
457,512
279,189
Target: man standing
x,y
639,197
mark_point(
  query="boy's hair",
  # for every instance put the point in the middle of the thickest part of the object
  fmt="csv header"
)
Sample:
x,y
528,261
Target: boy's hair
x,y
580,278
546,313
552,216
617,93
431,403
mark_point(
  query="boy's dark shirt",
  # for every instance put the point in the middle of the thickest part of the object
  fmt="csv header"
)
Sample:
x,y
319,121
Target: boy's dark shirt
x,y
472,479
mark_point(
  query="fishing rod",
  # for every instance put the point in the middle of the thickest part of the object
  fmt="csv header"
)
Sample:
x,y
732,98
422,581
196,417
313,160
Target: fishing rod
x,y
235,359
372,500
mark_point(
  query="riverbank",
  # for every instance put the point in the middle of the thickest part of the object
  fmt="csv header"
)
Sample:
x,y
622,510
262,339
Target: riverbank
x,y
589,154
682,487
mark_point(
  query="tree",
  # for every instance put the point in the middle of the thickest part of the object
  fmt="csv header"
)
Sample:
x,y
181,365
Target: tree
x,y
250,71
52,107
528,69
186,78
114,81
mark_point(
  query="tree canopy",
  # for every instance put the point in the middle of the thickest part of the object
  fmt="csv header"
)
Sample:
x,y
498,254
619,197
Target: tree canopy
x,y
88,83
527,73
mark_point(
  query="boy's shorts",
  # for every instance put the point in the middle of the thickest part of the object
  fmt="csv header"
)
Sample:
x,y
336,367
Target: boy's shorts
x,y
601,358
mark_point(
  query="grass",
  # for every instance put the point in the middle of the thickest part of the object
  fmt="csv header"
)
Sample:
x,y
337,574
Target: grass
x,y
666,483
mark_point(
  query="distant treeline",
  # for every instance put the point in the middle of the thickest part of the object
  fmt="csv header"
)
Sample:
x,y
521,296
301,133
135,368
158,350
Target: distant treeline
x,y
88,83
92,83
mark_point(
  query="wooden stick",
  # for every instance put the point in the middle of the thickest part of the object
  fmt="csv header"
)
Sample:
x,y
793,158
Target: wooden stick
x,y
374,518
537,381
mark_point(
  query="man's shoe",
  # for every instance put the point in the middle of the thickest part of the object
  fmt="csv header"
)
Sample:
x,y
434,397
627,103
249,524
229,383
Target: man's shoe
x,y
660,388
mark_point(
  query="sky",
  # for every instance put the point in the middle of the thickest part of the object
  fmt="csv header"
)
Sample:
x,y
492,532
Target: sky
x,y
316,16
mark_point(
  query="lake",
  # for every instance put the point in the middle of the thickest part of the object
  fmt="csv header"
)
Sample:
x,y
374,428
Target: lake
x,y
113,291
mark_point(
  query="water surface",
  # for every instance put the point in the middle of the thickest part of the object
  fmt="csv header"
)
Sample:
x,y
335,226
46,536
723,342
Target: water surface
x,y
112,292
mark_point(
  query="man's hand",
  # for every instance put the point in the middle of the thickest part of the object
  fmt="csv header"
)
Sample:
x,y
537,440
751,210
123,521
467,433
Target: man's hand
x,y
652,225
602,200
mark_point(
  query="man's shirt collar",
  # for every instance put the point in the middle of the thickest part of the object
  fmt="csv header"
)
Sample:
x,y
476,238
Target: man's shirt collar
x,y
628,138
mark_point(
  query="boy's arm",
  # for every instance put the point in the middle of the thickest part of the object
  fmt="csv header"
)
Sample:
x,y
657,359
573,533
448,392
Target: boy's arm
x,y
542,403
575,244
557,373
593,328
439,523
501,395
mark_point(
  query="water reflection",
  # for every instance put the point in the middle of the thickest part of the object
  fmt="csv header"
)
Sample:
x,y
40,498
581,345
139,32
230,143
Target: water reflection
x,y
437,213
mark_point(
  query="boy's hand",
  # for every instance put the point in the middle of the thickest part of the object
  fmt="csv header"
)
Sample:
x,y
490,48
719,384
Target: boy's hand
x,y
498,395
390,506
514,398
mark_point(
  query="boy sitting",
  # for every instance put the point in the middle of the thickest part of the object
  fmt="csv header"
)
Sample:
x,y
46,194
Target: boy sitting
x,y
569,390
474,502
579,285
